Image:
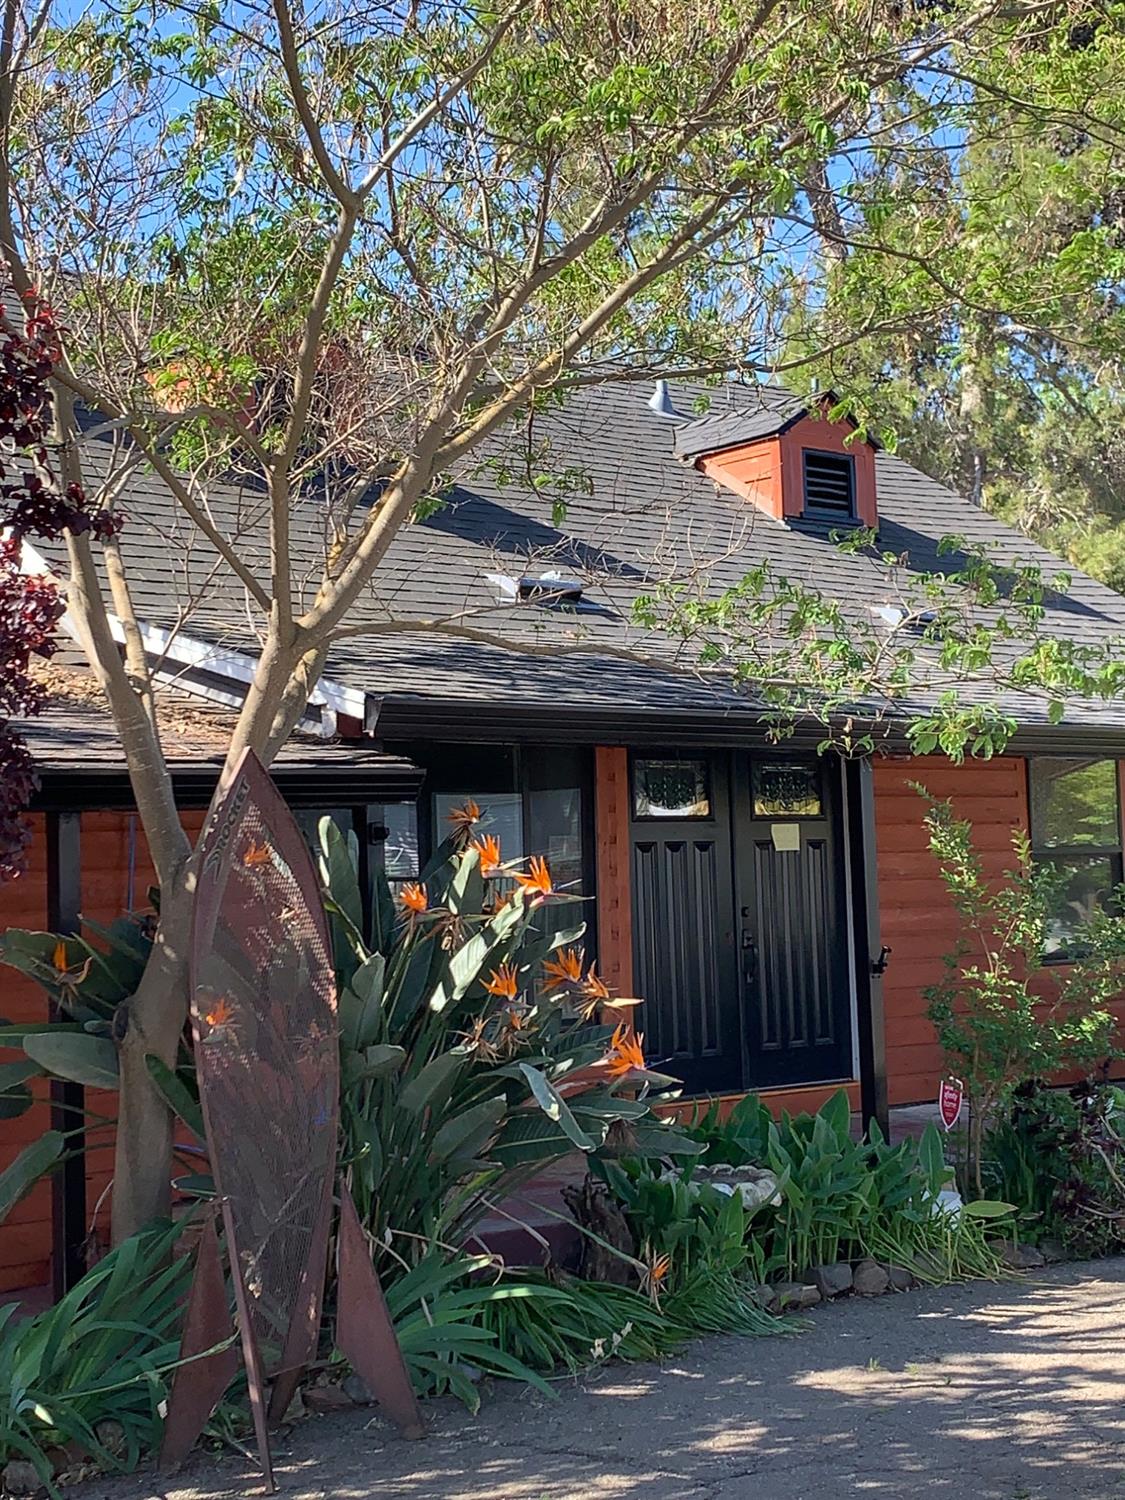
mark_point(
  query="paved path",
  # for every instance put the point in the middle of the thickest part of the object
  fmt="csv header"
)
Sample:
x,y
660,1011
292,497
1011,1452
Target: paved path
x,y
981,1392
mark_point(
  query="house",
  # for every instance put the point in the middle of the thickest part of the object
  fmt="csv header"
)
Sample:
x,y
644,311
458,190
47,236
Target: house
x,y
778,910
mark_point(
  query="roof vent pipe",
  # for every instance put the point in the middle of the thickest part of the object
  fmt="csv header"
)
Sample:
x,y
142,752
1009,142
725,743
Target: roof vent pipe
x,y
660,402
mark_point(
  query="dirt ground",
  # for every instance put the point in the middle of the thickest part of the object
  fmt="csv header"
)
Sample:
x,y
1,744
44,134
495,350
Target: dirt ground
x,y
1009,1392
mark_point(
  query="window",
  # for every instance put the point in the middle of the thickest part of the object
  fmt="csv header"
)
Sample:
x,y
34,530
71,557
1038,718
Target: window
x,y
829,485
783,790
400,846
1076,828
501,816
671,789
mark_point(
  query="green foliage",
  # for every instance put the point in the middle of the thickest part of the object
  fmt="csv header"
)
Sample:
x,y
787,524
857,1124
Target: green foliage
x,y
953,637
694,1248
1013,396
451,1092
439,1307
1001,1014
1060,1155
86,977
842,1199
106,1352
581,1323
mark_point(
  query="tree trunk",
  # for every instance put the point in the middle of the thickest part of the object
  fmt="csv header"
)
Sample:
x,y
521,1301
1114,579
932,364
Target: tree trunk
x,y
152,1021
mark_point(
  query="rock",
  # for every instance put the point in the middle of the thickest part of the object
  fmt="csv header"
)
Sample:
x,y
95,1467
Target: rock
x,y
327,1398
1052,1251
68,1456
356,1390
794,1296
1020,1257
766,1297
296,1408
900,1279
21,1478
832,1281
110,1433
869,1279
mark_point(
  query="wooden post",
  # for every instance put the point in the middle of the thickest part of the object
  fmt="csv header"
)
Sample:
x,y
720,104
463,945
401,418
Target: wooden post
x,y
869,958
614,883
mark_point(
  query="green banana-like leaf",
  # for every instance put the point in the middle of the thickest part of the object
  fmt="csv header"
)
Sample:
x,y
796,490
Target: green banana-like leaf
x,y
338,870
361,1004
467,1134
21,1175
555,1107
90,1060
15,1096
432,1084
372,1062
177,1095
529,1137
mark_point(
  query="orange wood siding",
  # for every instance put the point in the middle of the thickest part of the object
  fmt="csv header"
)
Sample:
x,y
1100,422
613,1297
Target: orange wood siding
x,y
25,1236
918,921
826,437
752,471
614,889
116,875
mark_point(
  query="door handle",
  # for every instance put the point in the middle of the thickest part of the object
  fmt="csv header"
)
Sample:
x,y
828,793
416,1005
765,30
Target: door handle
x,y
749,955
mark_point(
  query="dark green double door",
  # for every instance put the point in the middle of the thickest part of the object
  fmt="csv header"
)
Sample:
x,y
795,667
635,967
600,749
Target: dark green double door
x,y
740,931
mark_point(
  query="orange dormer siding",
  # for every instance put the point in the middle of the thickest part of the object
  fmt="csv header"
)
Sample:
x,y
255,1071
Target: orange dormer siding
x,y
770,471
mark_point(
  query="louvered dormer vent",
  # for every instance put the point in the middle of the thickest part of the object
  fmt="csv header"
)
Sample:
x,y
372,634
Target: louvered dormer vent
x,y
829,485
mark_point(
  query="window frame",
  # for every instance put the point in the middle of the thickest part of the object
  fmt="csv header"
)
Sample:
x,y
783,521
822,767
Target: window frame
x,y
687,757
1069,854
819,513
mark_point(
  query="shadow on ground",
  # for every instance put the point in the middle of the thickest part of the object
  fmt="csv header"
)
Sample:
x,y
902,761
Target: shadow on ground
x,y
1010,1392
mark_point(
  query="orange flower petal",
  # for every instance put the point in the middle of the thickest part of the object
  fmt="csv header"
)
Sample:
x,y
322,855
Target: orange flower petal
x,y
503,982
412,895
563,970
537,881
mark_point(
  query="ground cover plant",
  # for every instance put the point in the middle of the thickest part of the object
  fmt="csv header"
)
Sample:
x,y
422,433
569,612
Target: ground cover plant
x,y
86,1380
840,1200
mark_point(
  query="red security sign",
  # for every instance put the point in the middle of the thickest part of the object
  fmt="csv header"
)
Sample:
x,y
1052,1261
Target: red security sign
x,y
951,1096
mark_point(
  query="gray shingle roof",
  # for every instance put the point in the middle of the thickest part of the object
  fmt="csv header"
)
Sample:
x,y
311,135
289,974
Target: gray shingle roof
x,y
642,513
756,416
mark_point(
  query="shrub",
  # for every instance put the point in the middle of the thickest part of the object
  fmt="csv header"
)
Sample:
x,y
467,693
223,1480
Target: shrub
x,y
1060,1155
841,1199
470,1053
1001,1014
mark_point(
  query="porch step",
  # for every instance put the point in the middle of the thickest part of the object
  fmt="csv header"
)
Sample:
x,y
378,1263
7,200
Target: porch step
x,y
533,1226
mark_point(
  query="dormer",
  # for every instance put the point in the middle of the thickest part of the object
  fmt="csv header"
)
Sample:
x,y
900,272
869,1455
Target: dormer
x,y
784,455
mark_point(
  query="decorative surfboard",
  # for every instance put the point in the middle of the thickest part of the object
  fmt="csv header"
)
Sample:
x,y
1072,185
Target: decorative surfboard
x,y
264,1022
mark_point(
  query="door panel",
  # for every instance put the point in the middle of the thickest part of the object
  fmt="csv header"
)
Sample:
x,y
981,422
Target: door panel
x,y
797,977
764,1000
683,926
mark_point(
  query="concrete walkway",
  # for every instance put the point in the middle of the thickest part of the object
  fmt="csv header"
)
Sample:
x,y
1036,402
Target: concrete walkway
x,y
980,1392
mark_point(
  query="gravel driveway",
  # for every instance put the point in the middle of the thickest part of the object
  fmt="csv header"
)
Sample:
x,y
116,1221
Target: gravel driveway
x,y
1010,1392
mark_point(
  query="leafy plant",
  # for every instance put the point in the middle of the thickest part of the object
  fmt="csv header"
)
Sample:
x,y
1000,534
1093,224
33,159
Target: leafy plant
x,y
843,1199
104,1353
86,976
1003,1016
695,1257
469,1050
581,1323
1060,1155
